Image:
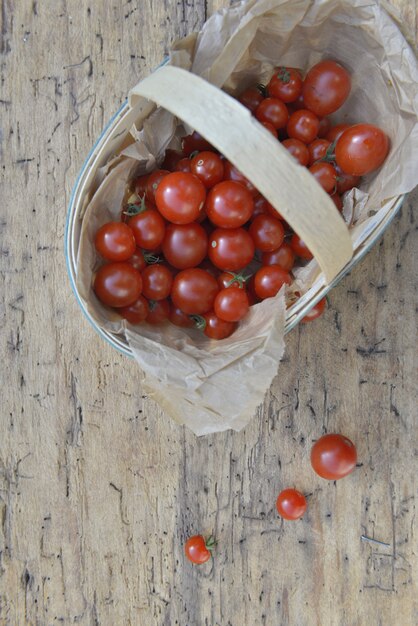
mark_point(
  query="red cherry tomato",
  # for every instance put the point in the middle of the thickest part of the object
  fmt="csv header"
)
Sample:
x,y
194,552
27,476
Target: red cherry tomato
x,y
284,256
185,245
299,248
184,165
194,291
229,204
285,84
325,175
297,149
140,185
269,279
179,318
326,87
324,126
345,182
231,173
267,232
230,279
194,142
273,111
136,312
337,201
137,260
208,167
156,282
261,206
251,98
159,311
215,328
333,456
315,311
303,125
231,304
153,183
172,157
291,504
198,550
118,284
180,197
230,248
336,131
148,228
318,149
268,126
361,149
298,104
115,241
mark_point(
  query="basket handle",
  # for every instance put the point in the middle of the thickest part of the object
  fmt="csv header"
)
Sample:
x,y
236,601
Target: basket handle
x,y
230,128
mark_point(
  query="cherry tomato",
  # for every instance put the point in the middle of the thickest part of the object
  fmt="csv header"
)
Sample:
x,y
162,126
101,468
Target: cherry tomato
x,y
231,304
137,260
303,125
345,182
156,282
153,183
269,279
230,248
117,284
325,175
361,149
273,111
333,456
115,241
283,256
297,149
267,232
229,204
180,197
315,311
299,248
179,318
336,131
231,173
172,157
291,504
198,550
209,167
148,228
159,311
324,127
194,142
261,207
185,245
194,291
251,98
338,201
136,312
298,104
252,296
285,84
140,185
268,126
318,149
184,165
215,328
230,279
326,87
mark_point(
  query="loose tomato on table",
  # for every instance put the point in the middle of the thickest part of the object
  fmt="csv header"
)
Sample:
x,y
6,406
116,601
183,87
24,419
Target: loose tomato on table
x,y
229,204
326,87
117,284
231,304
194,291
285,84
333,456
230,248
180,197
361,149
185,245
198,549
115,241
315,312
291,504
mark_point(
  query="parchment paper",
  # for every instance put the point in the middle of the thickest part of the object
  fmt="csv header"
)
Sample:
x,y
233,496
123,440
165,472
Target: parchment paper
x,y
212,386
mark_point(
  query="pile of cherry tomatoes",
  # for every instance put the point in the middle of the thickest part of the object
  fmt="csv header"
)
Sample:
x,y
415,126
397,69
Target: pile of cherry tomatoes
x,y
197,243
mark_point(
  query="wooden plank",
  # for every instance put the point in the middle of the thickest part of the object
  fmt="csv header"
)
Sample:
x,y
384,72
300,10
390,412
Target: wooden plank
x,y
98,488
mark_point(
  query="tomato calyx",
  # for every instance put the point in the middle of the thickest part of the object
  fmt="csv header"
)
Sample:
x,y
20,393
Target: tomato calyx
x,y
150,258
239,278
210,543
283,75
262,89
193,154
200,324
329,156
136,208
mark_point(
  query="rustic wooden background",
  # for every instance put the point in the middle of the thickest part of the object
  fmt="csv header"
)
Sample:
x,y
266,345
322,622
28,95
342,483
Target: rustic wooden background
x,y
98,488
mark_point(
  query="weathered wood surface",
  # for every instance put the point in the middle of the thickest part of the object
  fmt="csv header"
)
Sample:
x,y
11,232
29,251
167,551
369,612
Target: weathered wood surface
x,y
98,488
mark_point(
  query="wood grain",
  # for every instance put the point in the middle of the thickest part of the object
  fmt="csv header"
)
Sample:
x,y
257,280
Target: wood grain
x,y
98,488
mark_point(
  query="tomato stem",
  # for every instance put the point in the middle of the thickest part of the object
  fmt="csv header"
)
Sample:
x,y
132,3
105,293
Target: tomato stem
x,y
283,75
135,209
210,543
238,278
262,89
199,321
150,258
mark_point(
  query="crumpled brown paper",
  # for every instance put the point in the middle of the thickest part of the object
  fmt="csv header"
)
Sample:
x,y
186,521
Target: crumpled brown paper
x,y
213,386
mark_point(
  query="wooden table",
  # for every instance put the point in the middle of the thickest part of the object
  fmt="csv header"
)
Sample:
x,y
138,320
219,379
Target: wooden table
x,y
98,488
